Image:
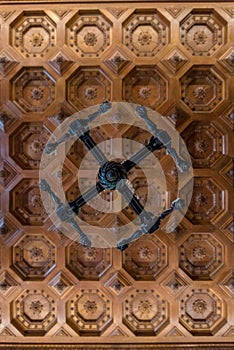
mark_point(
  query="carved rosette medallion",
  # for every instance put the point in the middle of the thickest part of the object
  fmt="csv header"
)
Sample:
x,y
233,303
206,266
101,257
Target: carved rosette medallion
x,y
201,256
202,33
202,89
87,87
26,204
88,263
89,35
33,257
89,312
33,34
146,86
202,312
145,312
33,313
27,144
145,34
145,258
204,142
33,89
208,202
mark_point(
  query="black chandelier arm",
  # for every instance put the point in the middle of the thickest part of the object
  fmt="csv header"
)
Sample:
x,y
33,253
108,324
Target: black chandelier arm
x,y
51,147
65,213
93,148
153,145
147,219
44,186
85,197
150,223
163,137
176,204
84,240
130,196
103,108
78,127
124,243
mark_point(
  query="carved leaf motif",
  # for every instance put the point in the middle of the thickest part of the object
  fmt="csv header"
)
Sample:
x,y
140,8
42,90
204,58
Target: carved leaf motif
x,y
88,263
145,258
87,87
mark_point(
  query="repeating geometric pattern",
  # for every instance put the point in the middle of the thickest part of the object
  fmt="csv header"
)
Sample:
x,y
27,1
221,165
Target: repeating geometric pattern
x,y
58,59
145,312
202,312
201,255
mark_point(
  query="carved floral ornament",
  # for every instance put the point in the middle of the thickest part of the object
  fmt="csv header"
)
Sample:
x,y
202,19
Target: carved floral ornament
x,y
34,34
91,268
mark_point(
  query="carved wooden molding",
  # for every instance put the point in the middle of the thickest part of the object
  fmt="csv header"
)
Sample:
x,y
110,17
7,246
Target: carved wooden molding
x,y
223,346
164,292
98,1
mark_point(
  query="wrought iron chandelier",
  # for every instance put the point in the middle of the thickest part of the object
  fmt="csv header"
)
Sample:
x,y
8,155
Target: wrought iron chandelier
x,y
113,175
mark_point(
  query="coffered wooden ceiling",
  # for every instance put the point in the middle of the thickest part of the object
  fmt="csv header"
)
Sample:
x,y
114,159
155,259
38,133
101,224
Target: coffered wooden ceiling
x,y
172,289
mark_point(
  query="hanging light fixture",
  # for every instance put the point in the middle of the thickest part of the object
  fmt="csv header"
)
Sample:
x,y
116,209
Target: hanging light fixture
x,y
113,175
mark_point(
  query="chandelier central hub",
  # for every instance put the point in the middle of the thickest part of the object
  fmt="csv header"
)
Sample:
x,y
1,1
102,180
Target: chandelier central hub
x,y
110,173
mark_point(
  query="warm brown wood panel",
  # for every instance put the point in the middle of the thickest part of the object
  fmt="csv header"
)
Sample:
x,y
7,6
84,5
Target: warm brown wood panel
x,y
177,288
